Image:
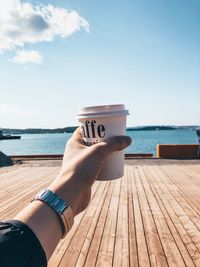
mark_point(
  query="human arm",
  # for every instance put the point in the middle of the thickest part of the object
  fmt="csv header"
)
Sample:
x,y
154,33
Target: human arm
x,y
80,168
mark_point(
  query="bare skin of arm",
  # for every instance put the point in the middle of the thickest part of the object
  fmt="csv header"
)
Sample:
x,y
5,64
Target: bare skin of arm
x,y
80,168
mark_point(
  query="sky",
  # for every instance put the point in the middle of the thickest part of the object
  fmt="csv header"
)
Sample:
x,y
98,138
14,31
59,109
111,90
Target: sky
x,y
58,56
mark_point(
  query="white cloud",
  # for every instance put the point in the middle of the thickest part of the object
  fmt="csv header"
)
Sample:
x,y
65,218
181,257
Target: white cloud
x,y
25,56
22,23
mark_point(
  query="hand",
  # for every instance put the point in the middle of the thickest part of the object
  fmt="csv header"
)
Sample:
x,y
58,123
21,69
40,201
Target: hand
x,y
81,166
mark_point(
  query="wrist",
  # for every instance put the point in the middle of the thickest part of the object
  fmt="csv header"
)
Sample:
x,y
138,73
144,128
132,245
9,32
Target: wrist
x,y
59,206
67,191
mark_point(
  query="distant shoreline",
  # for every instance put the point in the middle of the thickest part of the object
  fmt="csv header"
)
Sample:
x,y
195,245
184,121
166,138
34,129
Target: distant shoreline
x,y
71,129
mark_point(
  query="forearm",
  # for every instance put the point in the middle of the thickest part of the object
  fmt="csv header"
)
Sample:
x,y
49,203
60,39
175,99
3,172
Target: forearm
x,y
80,168
44,223
43,220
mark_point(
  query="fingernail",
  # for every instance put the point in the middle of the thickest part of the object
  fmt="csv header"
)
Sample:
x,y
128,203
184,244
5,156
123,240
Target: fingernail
x,y
129,140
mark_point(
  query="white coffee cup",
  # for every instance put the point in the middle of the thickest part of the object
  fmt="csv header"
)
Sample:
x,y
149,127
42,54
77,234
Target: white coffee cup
x,y
99,123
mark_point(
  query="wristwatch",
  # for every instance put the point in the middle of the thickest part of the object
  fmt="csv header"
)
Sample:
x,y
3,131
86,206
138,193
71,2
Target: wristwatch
x,y
61,208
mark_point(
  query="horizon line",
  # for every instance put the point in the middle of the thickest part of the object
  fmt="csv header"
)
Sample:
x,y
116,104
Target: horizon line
x,y
138,126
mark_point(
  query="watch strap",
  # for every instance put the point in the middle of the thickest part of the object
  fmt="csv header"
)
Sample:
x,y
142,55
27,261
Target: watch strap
x,y
61,208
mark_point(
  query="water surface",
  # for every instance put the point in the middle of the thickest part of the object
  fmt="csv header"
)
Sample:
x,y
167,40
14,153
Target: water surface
x,y
143,142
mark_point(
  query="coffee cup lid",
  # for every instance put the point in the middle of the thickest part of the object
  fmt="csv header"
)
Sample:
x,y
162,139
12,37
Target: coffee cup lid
x,y
103,111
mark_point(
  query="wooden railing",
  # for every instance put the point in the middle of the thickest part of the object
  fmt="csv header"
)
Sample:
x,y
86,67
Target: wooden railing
x,y
60,156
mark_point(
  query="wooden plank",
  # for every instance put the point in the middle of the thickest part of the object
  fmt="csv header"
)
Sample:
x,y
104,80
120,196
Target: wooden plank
x,y
73,251
189,176
105,199
170,248
161,193
177,237
26,187
192,171
184,212
143,256
9,209
121,251
14,175
9,168
156,253
64,243
186,185
106,248
20,176
131,223
99,231
21,181
150,217
185,188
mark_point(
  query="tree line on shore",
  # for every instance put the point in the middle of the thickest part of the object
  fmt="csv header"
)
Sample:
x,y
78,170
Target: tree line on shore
x,y
71,129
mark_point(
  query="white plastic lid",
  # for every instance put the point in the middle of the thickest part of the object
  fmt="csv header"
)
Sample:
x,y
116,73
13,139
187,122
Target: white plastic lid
x,y
103,111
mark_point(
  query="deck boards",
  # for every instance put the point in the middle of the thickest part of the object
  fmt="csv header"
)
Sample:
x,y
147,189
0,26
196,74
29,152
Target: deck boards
x,y
150,217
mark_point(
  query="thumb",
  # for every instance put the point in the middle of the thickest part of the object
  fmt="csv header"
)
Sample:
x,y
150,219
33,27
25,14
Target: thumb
x,y
113,144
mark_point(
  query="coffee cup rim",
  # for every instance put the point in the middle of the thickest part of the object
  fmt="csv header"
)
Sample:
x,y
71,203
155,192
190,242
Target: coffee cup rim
x,y
124,112
103,111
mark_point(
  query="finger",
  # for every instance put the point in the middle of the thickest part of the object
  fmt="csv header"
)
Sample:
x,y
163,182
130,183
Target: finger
x,y
77,136
112,144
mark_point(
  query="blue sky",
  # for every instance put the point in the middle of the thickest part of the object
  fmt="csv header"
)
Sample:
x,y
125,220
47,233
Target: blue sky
x,y
145,54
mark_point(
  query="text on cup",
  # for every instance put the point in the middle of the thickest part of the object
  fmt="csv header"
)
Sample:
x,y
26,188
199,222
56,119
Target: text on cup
x,y
92,130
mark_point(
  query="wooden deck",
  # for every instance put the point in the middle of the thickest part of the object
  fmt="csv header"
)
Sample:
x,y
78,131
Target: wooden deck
x,y
150,217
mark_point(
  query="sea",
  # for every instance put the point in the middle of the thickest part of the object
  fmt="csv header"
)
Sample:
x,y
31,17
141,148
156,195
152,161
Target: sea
x,y
143,142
